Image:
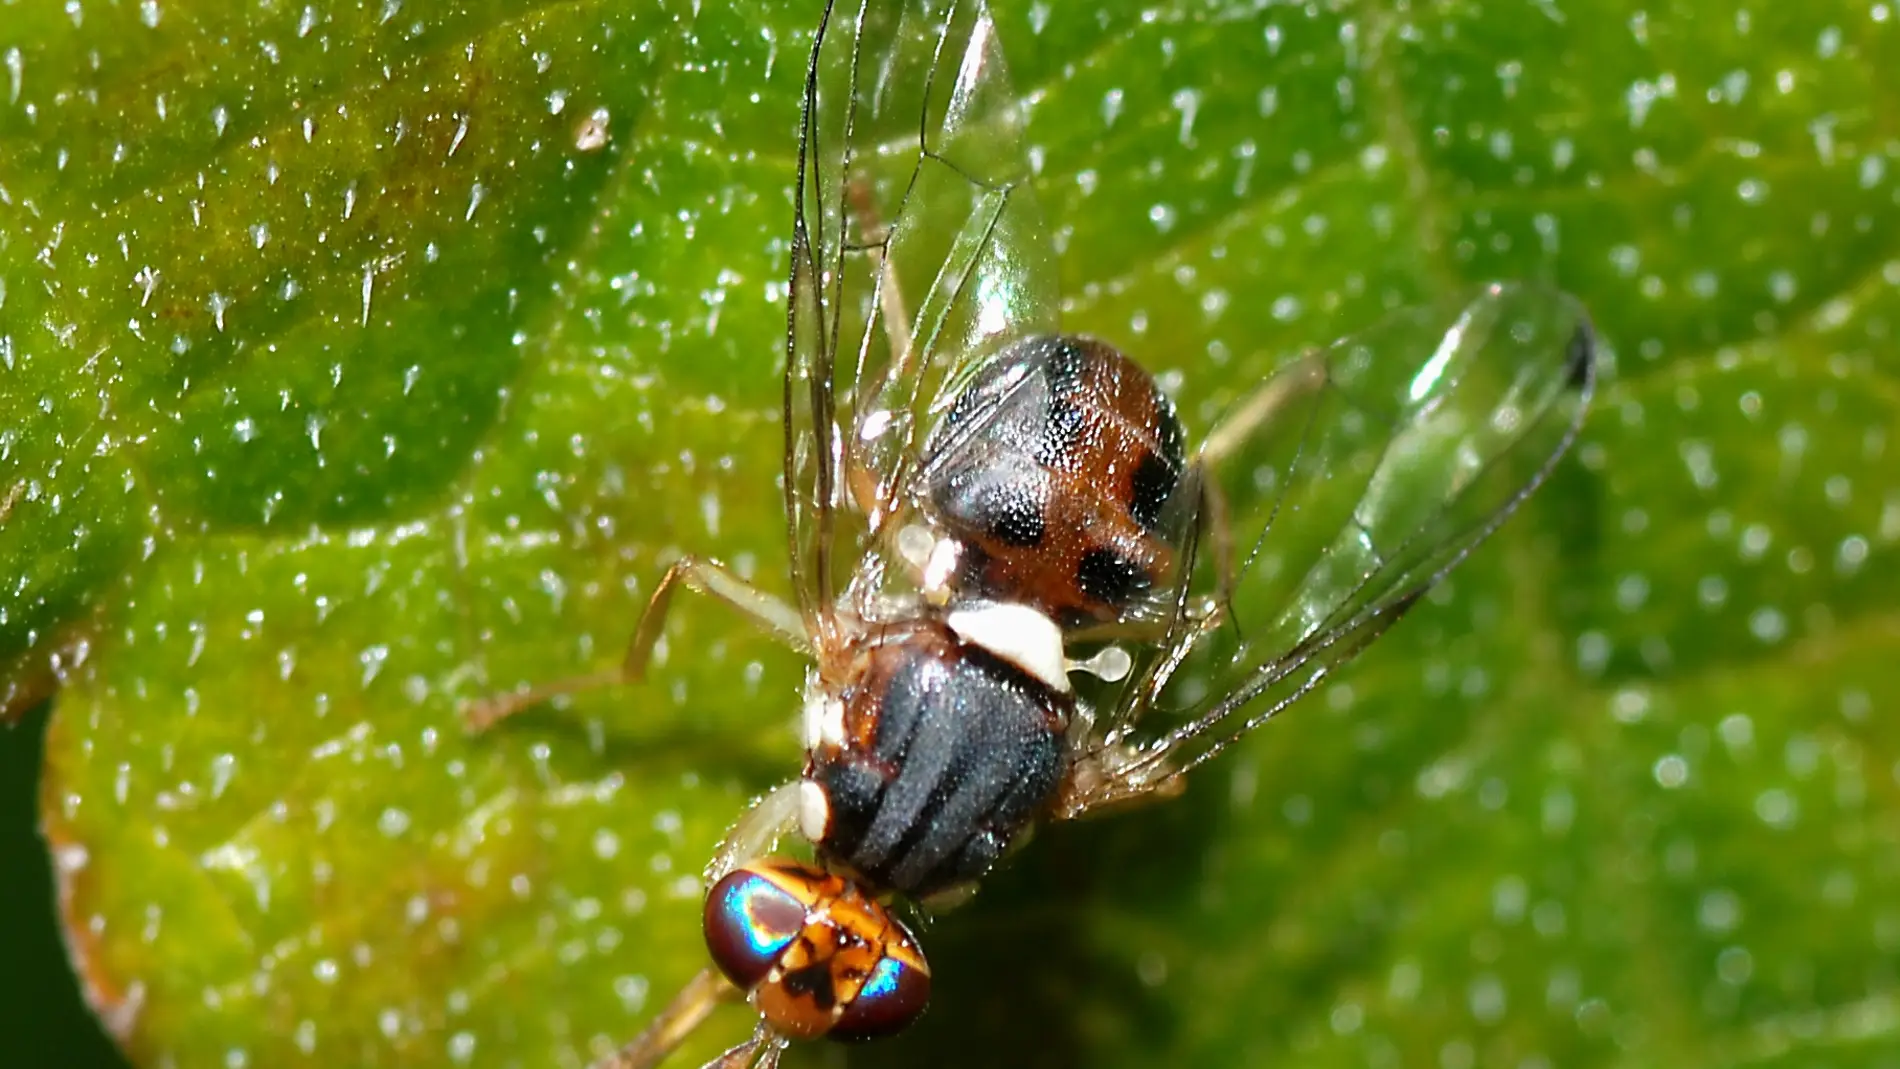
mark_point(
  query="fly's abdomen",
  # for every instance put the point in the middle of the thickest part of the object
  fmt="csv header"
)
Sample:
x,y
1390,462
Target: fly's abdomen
x,y
1058,470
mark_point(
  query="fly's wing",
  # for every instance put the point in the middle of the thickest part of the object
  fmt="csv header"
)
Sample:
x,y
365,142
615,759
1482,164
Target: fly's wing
x,y
1338,494
917,251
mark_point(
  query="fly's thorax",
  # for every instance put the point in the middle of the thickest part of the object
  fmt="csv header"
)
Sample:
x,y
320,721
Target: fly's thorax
x,y
1057,479
938,745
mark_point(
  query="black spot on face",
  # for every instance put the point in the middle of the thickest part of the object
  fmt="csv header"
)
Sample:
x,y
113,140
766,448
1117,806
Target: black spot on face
x,y
1152,484
1110,578
812,982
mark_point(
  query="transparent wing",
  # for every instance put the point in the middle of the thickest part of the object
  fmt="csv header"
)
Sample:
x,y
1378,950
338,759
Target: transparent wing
x,y
917,251
1338,494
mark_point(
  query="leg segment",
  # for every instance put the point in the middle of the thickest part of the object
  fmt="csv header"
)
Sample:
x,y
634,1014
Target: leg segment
x,y
1272,399
695,1002
757,831
1113,772
755,834
863,483
703,576
760,1052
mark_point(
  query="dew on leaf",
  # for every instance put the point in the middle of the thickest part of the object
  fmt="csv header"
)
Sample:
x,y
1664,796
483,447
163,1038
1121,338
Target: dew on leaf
x,y
587,319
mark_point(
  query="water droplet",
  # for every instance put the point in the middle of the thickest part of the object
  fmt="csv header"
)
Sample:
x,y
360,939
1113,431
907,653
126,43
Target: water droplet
x,y
591,134
392,822
1776,808
1670,771
1719,911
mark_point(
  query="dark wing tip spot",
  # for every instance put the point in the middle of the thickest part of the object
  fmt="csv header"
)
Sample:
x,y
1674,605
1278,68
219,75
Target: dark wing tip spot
x,y
1580,357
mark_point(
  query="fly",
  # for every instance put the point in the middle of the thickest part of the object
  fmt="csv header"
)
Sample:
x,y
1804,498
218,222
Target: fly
x,y
1024,596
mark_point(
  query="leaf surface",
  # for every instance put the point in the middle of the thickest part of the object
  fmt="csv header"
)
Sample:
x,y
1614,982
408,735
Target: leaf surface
x,y
361,360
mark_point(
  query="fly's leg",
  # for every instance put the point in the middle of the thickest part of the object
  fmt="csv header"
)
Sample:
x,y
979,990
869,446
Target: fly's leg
x,y
704,577
890,294
757,832
754,835
1113,772
688,1010
1272,399
862,482
760,1052
1197,615
697,574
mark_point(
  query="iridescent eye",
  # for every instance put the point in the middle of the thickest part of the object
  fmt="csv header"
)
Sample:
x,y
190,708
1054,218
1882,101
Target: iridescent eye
x,y
894,996
814,954
749,922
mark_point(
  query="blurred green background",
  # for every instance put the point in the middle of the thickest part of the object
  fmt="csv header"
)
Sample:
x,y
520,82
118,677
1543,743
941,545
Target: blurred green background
x,y
347,371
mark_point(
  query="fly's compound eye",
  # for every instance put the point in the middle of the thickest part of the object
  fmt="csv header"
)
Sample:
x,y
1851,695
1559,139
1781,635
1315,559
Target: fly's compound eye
x,y
895,994
814,955
750,920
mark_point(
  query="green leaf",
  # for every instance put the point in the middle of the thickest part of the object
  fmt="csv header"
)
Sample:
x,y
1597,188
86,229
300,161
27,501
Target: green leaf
x,y
350,373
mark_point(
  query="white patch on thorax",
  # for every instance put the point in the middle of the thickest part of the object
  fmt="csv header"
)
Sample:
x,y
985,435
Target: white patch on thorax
x,y
814,811
823,719
1018,634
